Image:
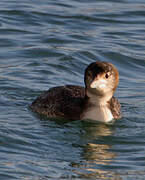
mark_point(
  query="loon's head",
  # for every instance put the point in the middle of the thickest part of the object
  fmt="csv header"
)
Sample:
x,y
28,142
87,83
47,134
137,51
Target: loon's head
x,y
101,80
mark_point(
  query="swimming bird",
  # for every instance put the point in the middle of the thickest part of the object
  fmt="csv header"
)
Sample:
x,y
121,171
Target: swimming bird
x,y
93,102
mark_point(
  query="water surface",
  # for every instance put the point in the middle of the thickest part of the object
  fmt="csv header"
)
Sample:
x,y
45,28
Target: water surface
x,y
50,43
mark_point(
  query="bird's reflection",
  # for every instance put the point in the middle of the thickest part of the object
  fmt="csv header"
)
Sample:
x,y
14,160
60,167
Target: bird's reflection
x,y
96,155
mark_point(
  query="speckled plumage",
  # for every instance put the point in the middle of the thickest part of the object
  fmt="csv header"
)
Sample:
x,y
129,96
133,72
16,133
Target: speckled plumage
x,y
115,108
68,102
94,101
63,101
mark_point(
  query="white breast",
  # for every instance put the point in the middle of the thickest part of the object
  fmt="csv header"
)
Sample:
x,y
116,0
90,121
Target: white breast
x,y
101,113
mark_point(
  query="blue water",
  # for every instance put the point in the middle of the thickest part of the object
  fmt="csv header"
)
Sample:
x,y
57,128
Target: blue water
x,y
50,43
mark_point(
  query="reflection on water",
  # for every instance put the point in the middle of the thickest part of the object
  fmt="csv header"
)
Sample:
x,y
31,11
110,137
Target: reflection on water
x,y
96,155
97,129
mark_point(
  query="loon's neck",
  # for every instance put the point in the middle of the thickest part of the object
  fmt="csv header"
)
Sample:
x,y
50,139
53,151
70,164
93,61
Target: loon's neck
x,y
97,108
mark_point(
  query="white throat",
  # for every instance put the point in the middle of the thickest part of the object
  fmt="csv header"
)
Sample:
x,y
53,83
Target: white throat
x,y
99,110
102,114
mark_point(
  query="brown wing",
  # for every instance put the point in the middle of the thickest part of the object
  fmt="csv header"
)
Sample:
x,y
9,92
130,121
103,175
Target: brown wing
x,y
63,101
115,108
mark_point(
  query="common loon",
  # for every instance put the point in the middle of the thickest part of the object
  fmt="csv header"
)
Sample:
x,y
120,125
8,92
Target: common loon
x,y
95,101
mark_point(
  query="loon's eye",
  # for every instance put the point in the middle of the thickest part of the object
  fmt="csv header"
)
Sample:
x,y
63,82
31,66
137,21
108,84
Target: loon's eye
x,y
106,75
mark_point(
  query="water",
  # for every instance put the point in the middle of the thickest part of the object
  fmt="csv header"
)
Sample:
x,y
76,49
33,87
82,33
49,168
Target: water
x,y
49,43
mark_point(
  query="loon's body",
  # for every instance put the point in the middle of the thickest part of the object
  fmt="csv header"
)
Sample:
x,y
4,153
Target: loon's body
x,y
94,102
